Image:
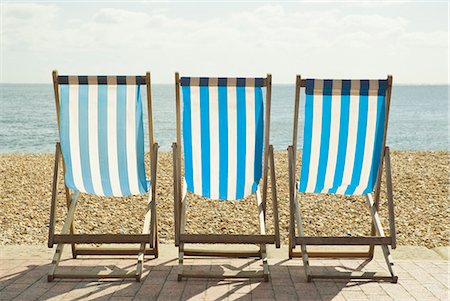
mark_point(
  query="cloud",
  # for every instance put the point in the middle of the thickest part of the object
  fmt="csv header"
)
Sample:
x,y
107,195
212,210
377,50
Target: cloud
x,y
255,39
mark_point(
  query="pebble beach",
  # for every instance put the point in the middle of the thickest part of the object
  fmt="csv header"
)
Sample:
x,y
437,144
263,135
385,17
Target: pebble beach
x,y
421,196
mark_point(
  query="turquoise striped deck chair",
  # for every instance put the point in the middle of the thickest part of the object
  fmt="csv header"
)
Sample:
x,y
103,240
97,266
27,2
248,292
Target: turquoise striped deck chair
x,y
344,148
226,154
101,141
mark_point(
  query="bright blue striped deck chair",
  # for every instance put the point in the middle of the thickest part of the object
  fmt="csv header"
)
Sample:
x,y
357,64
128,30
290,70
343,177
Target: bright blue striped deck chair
x,y
344,147
101,133
226,153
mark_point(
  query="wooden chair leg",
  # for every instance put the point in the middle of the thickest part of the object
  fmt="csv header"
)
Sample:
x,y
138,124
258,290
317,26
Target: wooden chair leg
x,y
262,231
65,230
301,233
380,232
182,231
274,197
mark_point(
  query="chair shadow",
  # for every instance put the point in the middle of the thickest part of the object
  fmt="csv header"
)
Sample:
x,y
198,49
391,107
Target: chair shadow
x,y
159,281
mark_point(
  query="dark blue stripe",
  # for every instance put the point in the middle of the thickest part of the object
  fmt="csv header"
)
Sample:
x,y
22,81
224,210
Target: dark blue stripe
x,y
142,180
185,81
360,138
259,141
241,141
309,87
223,143
378,146
83,125
103,138
205,141
325,137
122,139
187,138
342,142
307,134
64,118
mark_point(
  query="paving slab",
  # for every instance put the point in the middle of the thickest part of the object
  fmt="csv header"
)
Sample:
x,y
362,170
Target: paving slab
x,y
423,275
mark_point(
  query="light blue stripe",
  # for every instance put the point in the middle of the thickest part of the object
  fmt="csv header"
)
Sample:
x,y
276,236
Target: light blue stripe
x,y
103,138
122,139
360,144
187,137
378,146
205,141
142,181
223,143
241,141
324,143
342,144
307,133
259,141
83,124
64,118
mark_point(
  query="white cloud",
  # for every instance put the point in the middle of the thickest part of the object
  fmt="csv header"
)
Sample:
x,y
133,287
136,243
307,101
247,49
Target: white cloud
x,y
265,38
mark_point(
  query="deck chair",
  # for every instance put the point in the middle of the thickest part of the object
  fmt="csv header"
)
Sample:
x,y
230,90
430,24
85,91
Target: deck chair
x,y
226,151
343,153
100,123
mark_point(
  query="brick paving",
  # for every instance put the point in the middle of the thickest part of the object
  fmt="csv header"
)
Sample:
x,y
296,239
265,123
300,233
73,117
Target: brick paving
x,y
23,277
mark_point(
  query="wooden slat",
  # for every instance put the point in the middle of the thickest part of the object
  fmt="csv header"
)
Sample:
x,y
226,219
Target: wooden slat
x,y
332,254
222,253
112,251
102,238
339,241
227,238
223,275
266,142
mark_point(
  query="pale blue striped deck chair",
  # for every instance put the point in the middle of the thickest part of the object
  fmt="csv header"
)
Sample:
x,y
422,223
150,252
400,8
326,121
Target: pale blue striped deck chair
x,y
226,153
344,147
101,133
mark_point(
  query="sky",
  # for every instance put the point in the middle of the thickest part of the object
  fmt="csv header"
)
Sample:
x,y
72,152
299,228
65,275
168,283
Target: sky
x,y
322,39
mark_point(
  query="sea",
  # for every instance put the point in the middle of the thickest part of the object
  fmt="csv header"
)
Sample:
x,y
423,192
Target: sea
x,y
419,117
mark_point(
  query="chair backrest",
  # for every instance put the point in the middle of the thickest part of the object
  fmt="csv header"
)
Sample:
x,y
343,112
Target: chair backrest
x,y
344,135
101,133
223,135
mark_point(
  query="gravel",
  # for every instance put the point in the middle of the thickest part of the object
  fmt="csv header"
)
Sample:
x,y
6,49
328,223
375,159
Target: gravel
x,y
421,196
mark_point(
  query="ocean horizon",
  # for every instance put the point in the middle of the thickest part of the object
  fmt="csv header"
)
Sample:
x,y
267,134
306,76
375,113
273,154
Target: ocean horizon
x,y
418,117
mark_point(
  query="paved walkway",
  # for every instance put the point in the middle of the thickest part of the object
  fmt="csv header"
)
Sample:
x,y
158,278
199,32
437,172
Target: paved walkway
x,y
23,272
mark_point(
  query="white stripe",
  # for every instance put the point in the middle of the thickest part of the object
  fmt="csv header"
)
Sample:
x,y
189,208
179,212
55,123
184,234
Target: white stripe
x,y
334,142
369,144
214,141
250,139
133,178
196,140
315,142
93,139
232,142
351,143
113,162
74,137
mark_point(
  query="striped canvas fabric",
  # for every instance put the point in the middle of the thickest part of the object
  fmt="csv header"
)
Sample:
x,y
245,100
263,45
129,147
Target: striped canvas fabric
x,y
343,135
223,129
102,137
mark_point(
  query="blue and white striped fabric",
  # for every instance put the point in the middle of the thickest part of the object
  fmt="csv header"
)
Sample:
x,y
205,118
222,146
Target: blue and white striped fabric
x,y
223,130
343,135
102,137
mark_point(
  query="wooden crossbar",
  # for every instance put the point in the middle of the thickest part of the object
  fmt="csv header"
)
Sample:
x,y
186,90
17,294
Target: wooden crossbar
x,y
355,275
343,241
222,253
224,274
332,254
112,251
227,238
101,238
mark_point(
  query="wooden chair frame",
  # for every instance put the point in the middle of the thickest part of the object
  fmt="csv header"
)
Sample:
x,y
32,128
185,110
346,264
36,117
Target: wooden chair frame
x,y
149,233
180,192
373,200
